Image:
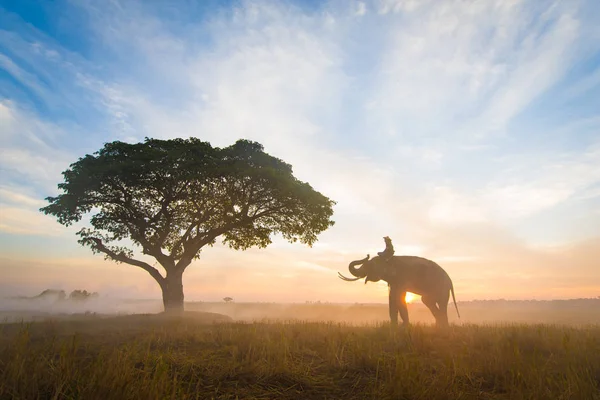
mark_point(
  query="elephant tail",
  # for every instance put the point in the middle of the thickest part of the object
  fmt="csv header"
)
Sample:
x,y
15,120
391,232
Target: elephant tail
x,y
454,299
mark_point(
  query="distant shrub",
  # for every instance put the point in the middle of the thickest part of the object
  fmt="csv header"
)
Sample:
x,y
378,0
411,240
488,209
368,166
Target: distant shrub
x,y
58,294
82,295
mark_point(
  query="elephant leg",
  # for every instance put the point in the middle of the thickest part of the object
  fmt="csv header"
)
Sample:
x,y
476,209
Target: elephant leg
x,y
393,304
402,307
431,304
443,309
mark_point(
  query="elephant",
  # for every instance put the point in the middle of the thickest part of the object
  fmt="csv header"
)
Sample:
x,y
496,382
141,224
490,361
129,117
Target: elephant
x,y
408,274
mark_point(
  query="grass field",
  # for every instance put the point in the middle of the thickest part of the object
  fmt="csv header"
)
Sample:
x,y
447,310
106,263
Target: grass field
x,y
202,356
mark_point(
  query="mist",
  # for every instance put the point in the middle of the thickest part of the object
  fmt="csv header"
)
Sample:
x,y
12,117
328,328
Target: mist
x,y
50,307
42,307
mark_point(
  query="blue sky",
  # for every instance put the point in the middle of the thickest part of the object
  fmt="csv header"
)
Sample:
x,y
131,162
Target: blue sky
x,y
467,131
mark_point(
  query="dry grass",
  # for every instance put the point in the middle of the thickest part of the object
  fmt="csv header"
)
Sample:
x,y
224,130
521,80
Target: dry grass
x,y
153,357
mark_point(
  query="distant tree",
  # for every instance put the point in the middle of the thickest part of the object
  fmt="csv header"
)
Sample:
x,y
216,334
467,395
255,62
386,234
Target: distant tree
x,y
78,295
82,295
170,198
59,294
227,299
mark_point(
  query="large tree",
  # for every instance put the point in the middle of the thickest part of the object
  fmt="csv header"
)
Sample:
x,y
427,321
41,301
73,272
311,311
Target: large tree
x,y
170,198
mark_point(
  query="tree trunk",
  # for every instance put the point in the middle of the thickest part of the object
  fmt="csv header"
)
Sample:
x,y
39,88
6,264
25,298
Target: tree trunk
x,y
172,290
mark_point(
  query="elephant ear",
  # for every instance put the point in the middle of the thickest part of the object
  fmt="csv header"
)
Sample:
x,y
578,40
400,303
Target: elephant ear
x,y
384,269
374,277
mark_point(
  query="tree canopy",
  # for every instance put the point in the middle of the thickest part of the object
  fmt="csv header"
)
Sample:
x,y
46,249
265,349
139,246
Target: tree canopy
x,y
171,198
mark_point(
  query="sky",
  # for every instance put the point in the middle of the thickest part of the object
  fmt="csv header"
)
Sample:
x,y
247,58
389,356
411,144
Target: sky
x,y
467,131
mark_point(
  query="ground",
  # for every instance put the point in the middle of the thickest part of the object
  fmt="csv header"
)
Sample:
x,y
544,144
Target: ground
x,y
207,356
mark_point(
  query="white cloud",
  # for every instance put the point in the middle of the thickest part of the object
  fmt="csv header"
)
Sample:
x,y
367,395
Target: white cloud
x,y
529,187
589,194
395,6
24,77
11,196
450,207
541,183
541,61
464,69
427,155
6,120
361,9
28,221
20,215
29,148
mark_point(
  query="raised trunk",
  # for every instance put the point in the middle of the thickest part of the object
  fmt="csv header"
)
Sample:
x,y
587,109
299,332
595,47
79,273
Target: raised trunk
x,y
172,291
358,272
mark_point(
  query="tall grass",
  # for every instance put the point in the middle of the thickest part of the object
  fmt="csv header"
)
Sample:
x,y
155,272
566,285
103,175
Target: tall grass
x,y
183,358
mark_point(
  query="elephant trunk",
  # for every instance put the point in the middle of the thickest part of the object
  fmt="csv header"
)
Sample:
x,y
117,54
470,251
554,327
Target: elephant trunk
x,y
358,272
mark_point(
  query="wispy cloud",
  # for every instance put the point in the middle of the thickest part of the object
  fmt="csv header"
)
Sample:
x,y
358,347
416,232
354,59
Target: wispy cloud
x,y
30,151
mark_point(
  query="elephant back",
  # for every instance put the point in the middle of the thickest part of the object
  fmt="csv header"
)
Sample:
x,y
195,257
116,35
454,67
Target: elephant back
x,y
421,269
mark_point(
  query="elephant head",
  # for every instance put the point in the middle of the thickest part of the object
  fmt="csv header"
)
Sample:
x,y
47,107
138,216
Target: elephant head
x,y
370,269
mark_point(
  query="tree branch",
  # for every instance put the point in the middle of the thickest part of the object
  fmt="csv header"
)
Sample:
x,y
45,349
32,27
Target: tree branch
x,y
121,257
200,241
183,240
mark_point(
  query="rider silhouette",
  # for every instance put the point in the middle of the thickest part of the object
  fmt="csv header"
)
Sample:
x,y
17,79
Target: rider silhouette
x,y
387,255
389,249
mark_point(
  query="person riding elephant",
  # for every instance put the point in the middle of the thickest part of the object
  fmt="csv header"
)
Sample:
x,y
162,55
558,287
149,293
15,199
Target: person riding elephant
x,y
404,274
389,248
387,255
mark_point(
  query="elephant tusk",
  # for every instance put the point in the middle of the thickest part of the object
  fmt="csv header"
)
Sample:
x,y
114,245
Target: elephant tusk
x,y
342,277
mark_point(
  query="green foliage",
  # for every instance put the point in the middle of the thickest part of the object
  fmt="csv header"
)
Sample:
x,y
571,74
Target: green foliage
x,y
173,197
185,358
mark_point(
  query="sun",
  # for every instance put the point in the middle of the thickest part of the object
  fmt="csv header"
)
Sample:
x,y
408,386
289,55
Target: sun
x,y
410,297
